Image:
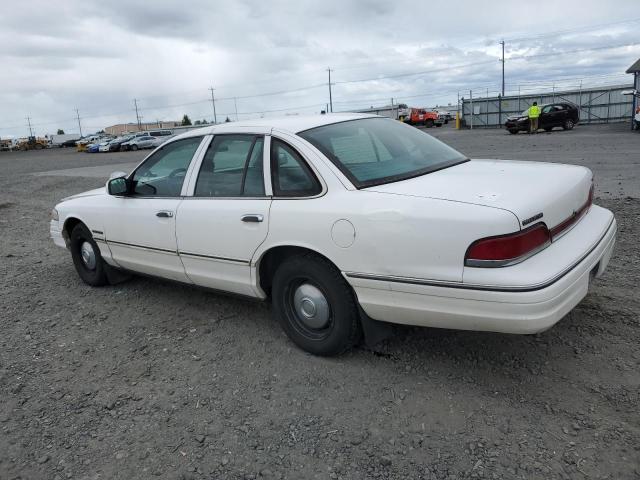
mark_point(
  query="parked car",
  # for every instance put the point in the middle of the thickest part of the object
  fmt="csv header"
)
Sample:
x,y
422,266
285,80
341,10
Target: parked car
x,y
341,219
139,143
68,143
160,140
104,146
114,145
93,148
563,115
160,133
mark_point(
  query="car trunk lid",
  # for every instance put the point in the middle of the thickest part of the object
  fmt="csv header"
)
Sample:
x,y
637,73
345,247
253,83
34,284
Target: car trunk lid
x,y
532,191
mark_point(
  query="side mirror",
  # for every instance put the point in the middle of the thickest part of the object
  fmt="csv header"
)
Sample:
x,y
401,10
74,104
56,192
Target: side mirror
x,y
117,186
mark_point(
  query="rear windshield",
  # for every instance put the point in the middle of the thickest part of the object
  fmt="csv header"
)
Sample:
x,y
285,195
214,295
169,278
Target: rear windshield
x,y
373,151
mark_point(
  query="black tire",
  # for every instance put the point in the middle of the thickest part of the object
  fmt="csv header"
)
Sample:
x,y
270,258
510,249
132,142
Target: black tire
x,y
568,124
342,329
548,129
134,147
429,123
91,274
513,131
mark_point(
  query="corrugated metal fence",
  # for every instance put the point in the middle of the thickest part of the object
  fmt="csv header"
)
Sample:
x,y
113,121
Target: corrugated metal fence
x,y
597,105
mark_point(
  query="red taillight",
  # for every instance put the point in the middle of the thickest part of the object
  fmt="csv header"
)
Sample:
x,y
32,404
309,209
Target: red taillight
x,y
510,249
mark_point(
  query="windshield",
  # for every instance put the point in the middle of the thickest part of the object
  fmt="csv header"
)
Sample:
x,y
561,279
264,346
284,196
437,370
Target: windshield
x,y
373,151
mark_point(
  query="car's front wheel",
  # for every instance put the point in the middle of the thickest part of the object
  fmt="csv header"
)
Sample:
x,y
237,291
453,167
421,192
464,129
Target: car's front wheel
x,y
315,306
86,257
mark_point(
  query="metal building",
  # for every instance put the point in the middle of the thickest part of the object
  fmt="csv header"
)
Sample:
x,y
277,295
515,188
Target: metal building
x,y
635,70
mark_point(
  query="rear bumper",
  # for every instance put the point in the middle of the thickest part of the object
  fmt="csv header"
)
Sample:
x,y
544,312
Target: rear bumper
x,y
519,311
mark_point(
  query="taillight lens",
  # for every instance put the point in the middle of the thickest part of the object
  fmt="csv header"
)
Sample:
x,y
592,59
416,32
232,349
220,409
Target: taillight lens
x,y
505,250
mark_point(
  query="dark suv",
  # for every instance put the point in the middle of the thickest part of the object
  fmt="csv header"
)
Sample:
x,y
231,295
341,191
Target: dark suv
x,y
563,115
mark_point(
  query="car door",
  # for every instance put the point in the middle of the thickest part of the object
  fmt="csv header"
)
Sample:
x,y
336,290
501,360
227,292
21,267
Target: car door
x,y
226,217
546,117
140,226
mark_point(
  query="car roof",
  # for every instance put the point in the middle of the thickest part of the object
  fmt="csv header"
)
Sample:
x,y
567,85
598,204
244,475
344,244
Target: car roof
x,y
292,124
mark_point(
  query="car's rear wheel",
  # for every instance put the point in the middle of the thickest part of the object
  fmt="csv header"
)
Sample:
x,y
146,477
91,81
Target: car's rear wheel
x,y
429,123
568,124
86,257
315,306
134,147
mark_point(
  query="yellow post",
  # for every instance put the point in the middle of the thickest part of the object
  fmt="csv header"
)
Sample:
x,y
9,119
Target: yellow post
x,y
457,121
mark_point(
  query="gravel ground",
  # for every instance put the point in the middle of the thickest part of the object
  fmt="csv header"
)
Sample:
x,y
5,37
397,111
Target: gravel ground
x,y
149,379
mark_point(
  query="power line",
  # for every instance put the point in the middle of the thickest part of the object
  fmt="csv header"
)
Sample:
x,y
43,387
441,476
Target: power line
x,y
306,88
484,62
573,30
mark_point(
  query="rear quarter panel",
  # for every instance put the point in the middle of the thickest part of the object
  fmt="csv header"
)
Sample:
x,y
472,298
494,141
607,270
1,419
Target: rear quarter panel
x,y
394,234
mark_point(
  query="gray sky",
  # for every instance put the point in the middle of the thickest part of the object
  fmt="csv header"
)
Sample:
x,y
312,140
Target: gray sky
x,y
99,56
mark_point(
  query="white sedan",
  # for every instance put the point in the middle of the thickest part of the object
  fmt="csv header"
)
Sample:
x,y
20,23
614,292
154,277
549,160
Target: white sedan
x,y
345,220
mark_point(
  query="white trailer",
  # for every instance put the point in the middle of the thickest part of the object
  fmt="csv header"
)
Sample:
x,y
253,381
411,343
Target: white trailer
x,y
58,140
397,111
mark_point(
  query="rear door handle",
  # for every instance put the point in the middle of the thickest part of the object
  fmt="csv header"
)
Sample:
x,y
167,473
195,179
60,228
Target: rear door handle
x,y
164,214
252,218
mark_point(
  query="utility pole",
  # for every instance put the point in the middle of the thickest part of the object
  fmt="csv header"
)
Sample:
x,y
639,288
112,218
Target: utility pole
x,y
30,129
330,99
471,101
235,104
213,102
79,125
135,103
502,60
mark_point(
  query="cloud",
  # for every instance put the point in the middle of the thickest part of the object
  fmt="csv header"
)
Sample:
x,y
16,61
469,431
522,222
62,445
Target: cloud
x,y
99,56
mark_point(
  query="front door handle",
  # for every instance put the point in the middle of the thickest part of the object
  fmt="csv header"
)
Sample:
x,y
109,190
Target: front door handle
x,y
252,218
164,214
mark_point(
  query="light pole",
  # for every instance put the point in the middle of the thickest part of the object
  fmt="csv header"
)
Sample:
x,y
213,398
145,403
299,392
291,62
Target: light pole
x,y
502,60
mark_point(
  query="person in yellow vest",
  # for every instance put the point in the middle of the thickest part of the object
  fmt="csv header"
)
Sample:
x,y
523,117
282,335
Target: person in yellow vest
x,y
534,114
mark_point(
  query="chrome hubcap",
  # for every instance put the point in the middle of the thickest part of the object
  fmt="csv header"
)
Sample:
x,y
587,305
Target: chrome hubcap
x,y
311,306
88,255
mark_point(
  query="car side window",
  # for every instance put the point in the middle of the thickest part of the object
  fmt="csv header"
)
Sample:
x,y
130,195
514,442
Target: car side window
x,y
232,167
547,109
290,175
163,174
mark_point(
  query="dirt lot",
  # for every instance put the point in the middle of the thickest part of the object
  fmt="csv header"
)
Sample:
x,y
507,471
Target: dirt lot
x,y
150,379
